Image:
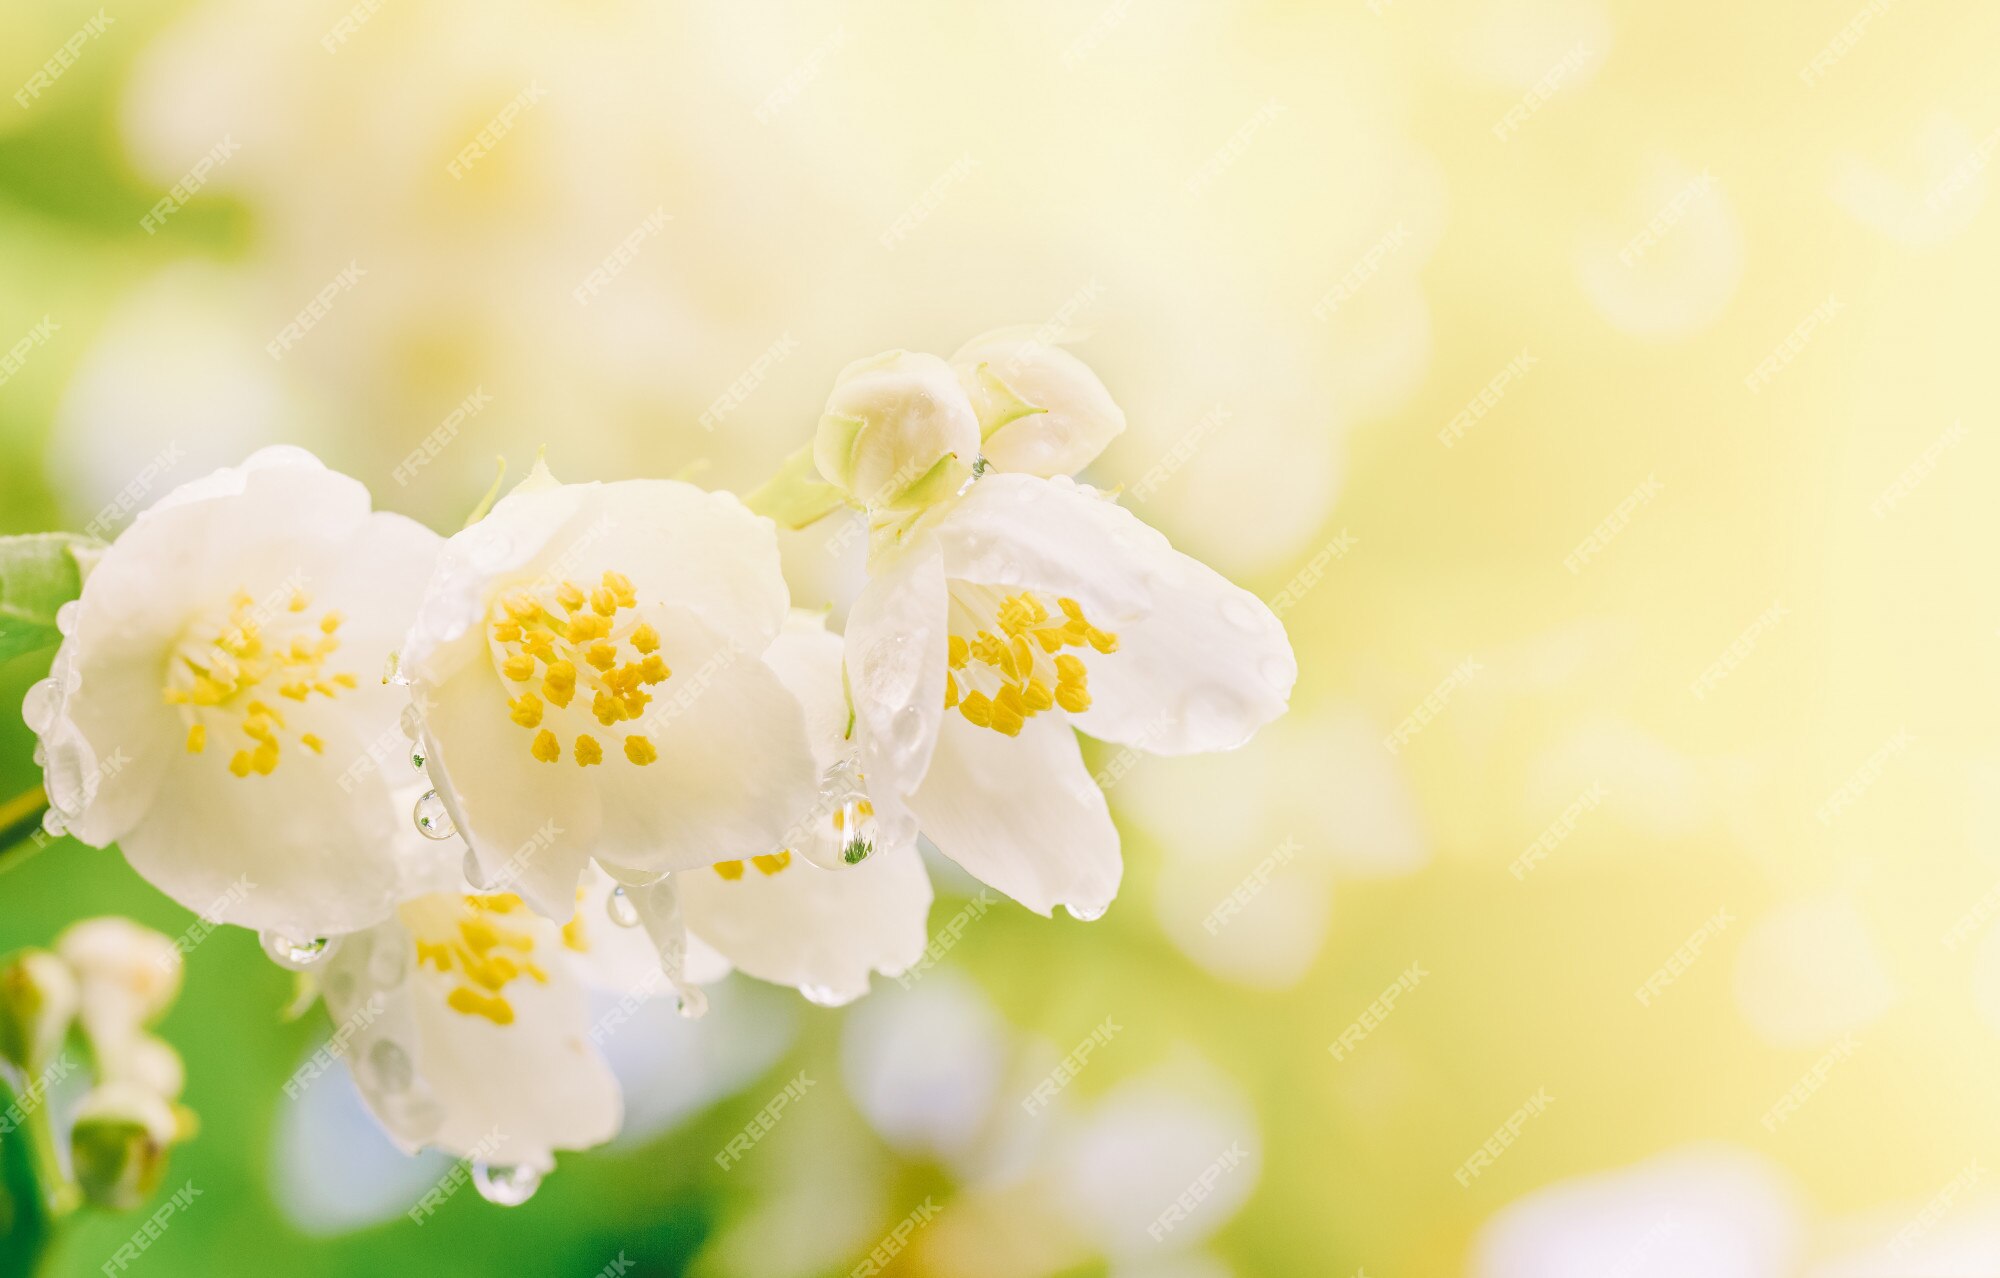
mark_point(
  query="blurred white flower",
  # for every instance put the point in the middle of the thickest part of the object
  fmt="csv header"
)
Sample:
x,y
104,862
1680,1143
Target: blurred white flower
x,y
1715,1211
1672,263
588,667
1810,971
216,706
1929,193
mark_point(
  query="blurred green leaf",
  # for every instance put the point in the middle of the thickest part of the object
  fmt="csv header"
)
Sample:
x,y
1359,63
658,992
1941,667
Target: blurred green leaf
x,y
39,573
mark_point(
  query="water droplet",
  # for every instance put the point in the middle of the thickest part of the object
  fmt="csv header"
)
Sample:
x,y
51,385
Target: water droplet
x,y
474,873
506,1186
433,821
413,721
906,729
40,706
692,1003
418,759
821,996
389,1067
66,616
620,908
295,955
41,755
857,831
1085,913
388,961
52,823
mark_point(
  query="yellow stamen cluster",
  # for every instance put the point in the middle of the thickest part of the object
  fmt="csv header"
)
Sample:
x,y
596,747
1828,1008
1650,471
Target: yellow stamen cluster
x,y
767,864
486,953
1023,650
221,676
567,640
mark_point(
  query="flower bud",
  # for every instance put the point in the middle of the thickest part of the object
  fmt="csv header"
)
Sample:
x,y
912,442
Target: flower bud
x,y
897,431
1042,411
128,974
118,1147
38,999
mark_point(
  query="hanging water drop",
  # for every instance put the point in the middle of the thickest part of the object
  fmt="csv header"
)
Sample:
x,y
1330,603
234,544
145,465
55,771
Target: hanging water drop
x,y
418,759
504,1185
433,821
620,908
691,1003
294,955
39,706
389,1067
66,616
413,722
821,996
857,830
1085,913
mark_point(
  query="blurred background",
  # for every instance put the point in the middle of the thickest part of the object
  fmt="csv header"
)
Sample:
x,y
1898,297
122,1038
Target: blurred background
x,y
1596,388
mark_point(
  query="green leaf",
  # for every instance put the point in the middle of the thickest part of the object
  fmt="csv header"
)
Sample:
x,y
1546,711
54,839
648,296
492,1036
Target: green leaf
x,y
796,495
39,573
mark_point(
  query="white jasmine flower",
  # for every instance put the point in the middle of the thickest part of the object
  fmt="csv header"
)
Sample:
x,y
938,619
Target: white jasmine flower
x,y
1000,619
466,1022
588,667
216,703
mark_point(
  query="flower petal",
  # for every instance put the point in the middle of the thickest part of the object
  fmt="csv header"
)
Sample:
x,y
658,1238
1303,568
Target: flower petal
x,y
814,929
1022,814
895,652
1053,535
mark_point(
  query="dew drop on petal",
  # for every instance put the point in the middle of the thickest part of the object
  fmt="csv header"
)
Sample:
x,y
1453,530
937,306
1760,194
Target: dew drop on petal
x,y
821,996
620,908
294,955
388,962
413,721
41,755
433,821
39,707
1084,913
691,1003
504,1185
66,616
418,759
389,1067
52,823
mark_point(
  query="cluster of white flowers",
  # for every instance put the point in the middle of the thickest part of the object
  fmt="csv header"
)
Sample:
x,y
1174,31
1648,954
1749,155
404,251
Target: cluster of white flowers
x,y
587,739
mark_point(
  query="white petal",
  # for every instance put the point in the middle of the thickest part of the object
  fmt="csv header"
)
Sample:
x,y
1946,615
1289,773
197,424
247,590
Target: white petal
x,y
734,774
1021,531
809,928
531,825
1022,814
895,651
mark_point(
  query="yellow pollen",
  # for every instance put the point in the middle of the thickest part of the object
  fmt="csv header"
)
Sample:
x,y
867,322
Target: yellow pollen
x,y
731,870
251,654
1018,664
471,938
771,862
568,638
572,932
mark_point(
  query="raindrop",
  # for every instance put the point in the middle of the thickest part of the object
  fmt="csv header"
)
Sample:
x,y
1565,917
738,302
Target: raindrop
x,y
41,755
858,832
295,955
66,616
39,707
821,996
692,1003
387,962
506,1186
418,759
619,906
433,821
389,1067
413,721
906,730
1084,913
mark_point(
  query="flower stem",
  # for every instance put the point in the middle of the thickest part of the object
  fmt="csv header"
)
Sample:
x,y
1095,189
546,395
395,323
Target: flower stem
x,y
20,821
